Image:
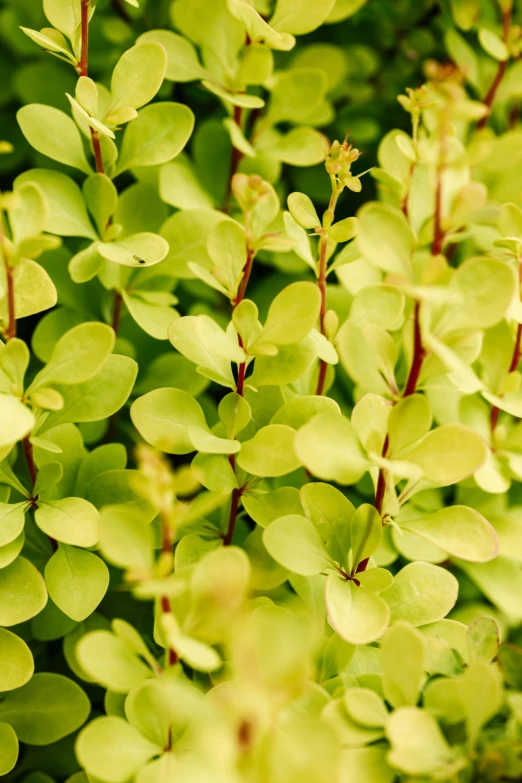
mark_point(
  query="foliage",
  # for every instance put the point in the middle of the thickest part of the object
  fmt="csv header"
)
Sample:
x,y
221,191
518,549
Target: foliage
x,y
260,437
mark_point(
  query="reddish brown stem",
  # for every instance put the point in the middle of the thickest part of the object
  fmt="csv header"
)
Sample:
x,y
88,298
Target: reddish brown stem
x,y
241,376
489,100
438,233
166,548
96,146
29,458
418,355
246,277
379,500
116,313
84,57
10,332
234,507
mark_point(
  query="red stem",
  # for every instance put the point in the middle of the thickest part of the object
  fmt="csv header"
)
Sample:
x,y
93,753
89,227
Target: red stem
x,y
379,500
84,58
418,355
246,277
96,146
10,332
116,315
438,233
501,71
29,458
166,548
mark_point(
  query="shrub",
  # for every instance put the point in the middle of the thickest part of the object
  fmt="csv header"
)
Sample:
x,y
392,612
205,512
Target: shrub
x,y
274,535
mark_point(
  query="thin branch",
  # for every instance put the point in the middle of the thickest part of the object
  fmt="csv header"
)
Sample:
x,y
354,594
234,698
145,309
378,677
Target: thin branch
x,y
96,146
418,354
83,65
29,458
166,548
489,100
235,159
116,313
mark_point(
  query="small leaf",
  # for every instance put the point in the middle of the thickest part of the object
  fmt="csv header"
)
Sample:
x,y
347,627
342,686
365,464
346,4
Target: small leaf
x,y
294,542
54,134
77,580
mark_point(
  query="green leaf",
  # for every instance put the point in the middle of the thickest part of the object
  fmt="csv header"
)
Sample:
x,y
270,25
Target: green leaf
x,y
480,691
163,418
483,640
137,77
12,518
34,289
385,238
8,748
180,187
292,315
357,615
201,339
484,289
265,507
54,134
330,512
460,531
97,398
418,745
289,364
421,593
111,750
139,250
270,452
78,355
126,540
183,63
22,592
108,660
16,420
46,709
368,764
402,659
448,454
16,662
366,707
77,580
300,18
329,448
101,197
66,213
493,44
365,532
71,521
294,542
303,211
157,135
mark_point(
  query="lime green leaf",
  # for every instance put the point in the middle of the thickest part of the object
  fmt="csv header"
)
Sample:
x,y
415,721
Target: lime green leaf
x,y
46,709
112,750
418,745
137,76
183,63
329,448
163,416
402,658
421,593
77,580
157,135
16,662
22,592
385,238
493,44
300,18
180,187
295,543
366,707
460,531
483,640
126,540
202,340
365,532
78,355
54,134
480,691
368,764
138,250
101,197
265,507
303,211
357,615
66,213
292,314
270,452
15,419
108,660
484,288
71,521
448,454
256,27
12,517
8,748
34,289
98,398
